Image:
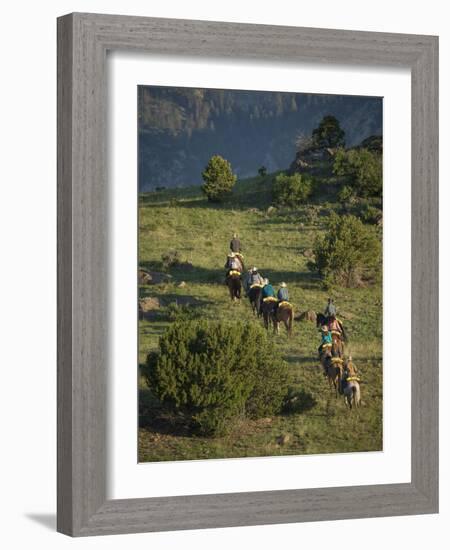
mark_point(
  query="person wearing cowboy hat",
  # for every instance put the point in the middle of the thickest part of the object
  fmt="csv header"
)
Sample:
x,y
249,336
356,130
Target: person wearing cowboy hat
x,y
233,263
330,310
255,277
252,277
283,293
326,338
268,290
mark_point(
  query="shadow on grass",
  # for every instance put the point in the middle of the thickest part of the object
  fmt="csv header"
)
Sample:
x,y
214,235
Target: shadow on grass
x,y
307,279
155,417
191,273
245,195
174,306
199,274
298,401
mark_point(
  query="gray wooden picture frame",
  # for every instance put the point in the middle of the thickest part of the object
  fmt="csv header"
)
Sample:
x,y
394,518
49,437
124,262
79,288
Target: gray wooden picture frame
x,y
83,41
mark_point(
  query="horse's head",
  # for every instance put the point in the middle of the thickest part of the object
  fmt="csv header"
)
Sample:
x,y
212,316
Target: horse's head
x,y
350,367
320,319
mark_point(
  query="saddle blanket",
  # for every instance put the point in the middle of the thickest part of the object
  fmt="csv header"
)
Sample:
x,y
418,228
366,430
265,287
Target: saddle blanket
x,y
270,299
285,303
234,272
256,285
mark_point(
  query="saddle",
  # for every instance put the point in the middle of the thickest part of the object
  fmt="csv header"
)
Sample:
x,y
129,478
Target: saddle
x,y
285,303
337,360
256,285
270,299
234,272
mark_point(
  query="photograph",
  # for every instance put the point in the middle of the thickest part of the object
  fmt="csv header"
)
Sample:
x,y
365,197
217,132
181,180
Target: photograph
x,y
260,262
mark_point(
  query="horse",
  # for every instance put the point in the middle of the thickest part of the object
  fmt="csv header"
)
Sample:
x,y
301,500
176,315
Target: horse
x,y
321,319
350,385
337,346
254,295
234,285
334,370
284,314
268,312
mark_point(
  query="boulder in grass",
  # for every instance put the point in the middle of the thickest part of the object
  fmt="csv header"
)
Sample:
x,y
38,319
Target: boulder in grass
x,y
144,277
308,315
150,303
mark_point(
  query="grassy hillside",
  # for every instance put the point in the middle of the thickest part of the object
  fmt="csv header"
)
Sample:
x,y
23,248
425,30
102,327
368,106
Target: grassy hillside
x,y
274,241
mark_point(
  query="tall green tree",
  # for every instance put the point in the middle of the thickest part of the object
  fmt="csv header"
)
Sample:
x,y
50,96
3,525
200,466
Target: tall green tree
x,y
329,133
291,190
218,179
213,373
349,254
362,169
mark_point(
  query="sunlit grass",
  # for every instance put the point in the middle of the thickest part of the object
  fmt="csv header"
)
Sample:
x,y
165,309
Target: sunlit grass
x,y
183,220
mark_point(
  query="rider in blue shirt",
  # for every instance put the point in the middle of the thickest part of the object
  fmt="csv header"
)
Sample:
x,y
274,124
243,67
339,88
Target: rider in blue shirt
x,y
268,290
283,294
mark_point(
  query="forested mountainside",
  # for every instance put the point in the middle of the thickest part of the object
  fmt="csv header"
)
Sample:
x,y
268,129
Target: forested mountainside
x,y
181,128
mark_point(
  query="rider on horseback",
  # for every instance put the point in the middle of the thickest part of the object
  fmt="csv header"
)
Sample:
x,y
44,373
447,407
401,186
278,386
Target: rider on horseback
x,y
283,296
330,310
235,244
334,325
283,293
325,348
268,291
326,339
233,263
255,278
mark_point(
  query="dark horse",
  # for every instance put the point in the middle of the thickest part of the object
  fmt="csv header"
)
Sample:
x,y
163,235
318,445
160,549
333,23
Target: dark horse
x,y
234,285
321,319
268,312
254,295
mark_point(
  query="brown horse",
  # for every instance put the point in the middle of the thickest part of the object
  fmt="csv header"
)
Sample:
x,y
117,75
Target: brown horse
x,y
234,285
334,370
284,314
337,348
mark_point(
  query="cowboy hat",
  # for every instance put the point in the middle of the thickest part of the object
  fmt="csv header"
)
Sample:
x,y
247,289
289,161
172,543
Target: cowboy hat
x,y
283,285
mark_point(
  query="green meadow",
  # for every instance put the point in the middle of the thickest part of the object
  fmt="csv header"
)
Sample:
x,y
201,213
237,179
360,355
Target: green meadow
x,y
278,242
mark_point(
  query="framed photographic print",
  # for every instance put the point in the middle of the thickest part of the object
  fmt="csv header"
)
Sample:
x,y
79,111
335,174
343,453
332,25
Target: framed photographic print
x,y
247,269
